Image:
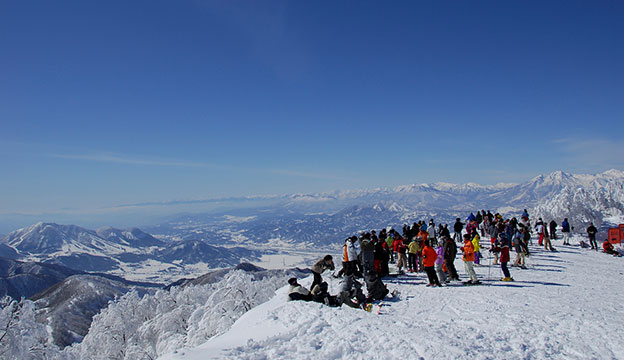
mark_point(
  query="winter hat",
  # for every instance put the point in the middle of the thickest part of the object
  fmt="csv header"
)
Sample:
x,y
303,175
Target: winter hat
x,y
292,281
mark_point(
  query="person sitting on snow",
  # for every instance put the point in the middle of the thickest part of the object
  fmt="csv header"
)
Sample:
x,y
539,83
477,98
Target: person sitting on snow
x,y
321,295
607,247
351,292
376,288
297,292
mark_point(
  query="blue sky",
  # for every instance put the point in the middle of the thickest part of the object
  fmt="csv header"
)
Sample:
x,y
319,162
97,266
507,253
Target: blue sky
x,y
118,102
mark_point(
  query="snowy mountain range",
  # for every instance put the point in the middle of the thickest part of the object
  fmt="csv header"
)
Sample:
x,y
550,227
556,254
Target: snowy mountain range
x,y
325,219
130,253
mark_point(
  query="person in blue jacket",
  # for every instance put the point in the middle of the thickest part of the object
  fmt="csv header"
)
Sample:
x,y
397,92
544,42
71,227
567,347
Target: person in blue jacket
x,y
565,229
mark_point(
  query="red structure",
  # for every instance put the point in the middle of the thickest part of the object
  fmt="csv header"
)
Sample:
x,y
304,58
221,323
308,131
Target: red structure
x,y
616,235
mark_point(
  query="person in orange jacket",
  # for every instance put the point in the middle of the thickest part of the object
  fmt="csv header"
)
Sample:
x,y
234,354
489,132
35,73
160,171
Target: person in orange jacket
x,y
469,255
429,257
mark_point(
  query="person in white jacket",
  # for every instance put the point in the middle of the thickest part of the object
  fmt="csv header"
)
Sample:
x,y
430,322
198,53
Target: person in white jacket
x,y
297,292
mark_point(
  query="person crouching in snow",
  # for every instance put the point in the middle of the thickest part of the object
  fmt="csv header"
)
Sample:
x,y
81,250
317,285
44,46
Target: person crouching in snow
x,y
429,258
468,250
440,261
320,266
297,292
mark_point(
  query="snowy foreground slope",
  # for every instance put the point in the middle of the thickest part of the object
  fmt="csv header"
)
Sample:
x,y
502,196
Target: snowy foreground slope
x,y
566,305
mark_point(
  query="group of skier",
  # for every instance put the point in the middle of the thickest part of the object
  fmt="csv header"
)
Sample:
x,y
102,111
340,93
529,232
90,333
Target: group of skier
x,y
432,249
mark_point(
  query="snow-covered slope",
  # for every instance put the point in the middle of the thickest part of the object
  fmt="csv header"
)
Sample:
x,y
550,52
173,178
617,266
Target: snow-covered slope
x,y
564,306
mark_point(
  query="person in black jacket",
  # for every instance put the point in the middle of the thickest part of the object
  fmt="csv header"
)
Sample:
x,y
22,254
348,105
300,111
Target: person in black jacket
x,y
450,252
591,232
553,230
458,227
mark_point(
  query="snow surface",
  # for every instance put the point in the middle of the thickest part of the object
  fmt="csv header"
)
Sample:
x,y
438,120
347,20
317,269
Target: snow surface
x,y
566,305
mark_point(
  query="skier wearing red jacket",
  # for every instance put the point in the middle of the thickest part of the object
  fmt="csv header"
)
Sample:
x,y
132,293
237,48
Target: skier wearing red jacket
x,y
429,257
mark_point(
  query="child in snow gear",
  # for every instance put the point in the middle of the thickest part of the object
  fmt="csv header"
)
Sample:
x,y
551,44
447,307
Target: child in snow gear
x,y
319,267
429,258
468,250
297,292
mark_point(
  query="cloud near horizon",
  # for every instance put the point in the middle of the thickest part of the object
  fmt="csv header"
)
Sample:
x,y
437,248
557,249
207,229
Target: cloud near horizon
x,y
591,155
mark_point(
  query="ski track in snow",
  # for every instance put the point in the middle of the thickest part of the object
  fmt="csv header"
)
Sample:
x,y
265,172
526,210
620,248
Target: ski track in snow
x,y
566,305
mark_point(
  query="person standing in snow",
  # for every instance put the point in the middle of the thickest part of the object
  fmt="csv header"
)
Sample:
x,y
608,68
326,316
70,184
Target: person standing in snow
x,y
367,248
591,233
457,228
413,250
477,248
326,263
440,262
450,252
493,232
297,292
539,228
431,229
429,258
517,240
565,229
468,250
389,243
553,230
401,249
547,243
504,256
349,257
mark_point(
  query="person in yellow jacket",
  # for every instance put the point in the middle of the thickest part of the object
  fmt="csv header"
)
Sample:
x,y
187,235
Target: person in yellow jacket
x,y
413,257
477,248
469,255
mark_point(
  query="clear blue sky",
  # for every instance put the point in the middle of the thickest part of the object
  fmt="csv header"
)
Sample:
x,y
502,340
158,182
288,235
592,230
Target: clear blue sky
x,y
119,102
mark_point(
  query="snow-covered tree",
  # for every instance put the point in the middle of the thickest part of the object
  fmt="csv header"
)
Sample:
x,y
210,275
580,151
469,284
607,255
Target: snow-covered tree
x,y
21,336
134,327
